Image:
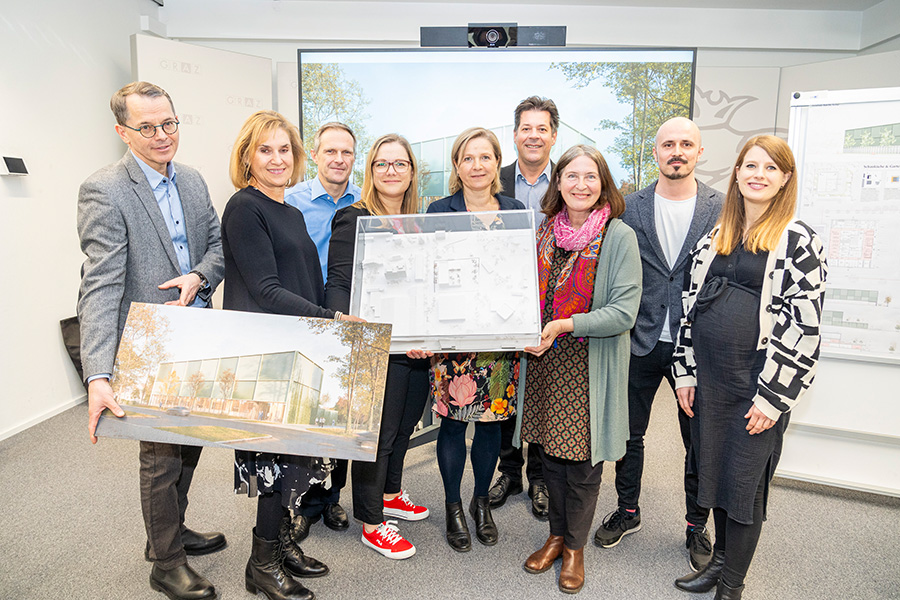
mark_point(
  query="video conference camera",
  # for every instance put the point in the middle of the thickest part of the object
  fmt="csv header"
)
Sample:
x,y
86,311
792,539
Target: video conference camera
x,y
484,35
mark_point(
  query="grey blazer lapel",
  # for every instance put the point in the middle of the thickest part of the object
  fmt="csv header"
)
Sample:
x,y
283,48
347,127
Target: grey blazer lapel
x,y
648,221
700,224
194,206
142,190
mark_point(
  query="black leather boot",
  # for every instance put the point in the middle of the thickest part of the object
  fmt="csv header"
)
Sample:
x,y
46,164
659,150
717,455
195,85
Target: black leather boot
x,y
706,578
485,528
457,530
726,592
265,573
295,562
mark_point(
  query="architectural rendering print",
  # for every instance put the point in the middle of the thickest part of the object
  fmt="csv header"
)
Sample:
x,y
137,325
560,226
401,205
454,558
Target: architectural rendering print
x,y
250,381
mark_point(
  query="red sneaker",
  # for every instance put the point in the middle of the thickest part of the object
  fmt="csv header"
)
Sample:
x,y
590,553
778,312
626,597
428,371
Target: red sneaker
x,y
402,507
387,541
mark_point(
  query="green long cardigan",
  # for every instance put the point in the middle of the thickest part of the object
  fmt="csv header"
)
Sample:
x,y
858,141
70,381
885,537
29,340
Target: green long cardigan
x,y
614,308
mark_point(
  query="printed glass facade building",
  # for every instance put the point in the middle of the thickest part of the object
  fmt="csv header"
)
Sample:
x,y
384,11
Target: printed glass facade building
x,y
276,388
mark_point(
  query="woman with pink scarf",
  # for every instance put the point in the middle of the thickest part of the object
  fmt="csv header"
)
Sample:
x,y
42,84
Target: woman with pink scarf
x,y
575,404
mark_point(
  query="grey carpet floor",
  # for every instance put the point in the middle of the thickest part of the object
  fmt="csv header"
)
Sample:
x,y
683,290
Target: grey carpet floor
x,y
70,528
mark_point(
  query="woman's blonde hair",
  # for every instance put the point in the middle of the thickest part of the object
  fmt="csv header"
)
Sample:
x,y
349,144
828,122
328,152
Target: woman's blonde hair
x,y
259,126
765,233
369,199
460,145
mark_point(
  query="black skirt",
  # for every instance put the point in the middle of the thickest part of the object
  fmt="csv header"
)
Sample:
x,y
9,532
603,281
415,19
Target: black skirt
x,y
729,462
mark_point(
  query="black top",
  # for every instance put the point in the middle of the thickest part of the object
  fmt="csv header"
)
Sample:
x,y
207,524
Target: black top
x,y
271,264
340,257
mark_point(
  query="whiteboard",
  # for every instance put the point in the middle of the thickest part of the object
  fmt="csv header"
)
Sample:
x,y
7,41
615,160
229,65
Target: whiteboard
x,y
847,146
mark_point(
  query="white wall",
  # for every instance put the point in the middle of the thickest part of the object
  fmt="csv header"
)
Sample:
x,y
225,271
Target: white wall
x,y
59,69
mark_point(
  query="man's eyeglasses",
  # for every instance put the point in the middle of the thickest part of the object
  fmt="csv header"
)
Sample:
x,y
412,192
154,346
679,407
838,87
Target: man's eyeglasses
x,y
382,166
149,131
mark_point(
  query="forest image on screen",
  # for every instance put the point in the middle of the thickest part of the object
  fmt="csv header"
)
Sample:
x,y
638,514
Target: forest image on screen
x,y
614,100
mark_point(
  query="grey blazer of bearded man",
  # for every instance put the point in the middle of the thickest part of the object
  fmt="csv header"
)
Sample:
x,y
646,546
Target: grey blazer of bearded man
x,y
662,285
129,251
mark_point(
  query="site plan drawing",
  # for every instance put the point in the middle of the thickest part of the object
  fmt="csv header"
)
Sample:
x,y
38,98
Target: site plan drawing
x,y
847,145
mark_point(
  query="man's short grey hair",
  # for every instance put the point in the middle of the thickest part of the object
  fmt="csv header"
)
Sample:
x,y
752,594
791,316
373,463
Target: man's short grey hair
x,y
141,88
332,125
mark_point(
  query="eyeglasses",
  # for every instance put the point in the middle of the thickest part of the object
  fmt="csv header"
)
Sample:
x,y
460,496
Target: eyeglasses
x,y
382,166
149,131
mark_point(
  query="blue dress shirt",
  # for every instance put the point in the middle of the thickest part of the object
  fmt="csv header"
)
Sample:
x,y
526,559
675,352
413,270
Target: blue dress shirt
x,y
531,195
165,190
318,208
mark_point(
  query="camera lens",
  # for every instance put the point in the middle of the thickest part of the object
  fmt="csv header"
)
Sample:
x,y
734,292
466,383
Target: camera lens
x,y
493,36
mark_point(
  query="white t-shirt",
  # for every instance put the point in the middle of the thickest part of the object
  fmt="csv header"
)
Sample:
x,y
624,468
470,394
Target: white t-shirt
x,y
673,220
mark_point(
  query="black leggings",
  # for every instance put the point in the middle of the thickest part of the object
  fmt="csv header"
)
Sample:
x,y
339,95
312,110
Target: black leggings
x,y
451,455
739,540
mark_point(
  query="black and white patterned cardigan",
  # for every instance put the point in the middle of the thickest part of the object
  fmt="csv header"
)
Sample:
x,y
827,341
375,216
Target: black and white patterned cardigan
x,y
789,317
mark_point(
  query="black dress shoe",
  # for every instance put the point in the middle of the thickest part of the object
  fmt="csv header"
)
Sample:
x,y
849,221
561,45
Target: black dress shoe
x,y
335,517
503,488
457,529
196,543
295,561
181,583
540,501
300,527
485,528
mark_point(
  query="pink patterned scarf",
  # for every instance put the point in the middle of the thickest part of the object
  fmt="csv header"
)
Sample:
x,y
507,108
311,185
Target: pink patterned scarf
x,y
573,289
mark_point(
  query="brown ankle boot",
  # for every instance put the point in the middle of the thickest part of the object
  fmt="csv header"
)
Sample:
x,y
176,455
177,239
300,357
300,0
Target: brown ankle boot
x,y
571,576
543,559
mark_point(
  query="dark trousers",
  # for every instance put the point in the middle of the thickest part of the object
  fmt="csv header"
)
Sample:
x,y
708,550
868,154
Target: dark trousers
x,y
166,471
512,459
739,540
405,394
573,487
645,374
318,497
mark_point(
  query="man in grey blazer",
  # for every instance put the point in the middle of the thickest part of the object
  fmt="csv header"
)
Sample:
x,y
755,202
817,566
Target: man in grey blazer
x,y
150,234
669,217
536,122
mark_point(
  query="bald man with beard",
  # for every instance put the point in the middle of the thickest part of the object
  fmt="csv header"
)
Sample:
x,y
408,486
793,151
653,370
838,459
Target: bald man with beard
x,y
669,217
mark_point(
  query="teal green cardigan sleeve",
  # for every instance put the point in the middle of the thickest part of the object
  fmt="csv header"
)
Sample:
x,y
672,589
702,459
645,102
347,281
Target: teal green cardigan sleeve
x,y
622,274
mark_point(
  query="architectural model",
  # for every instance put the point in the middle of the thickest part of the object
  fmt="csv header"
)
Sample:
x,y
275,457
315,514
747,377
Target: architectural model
x,y
446,282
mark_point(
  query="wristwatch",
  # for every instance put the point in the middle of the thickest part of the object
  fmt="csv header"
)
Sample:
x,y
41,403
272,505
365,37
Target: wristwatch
x,y
204,282
205,290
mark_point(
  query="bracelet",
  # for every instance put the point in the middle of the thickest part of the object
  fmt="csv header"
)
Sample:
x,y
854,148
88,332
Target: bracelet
x,y
337,315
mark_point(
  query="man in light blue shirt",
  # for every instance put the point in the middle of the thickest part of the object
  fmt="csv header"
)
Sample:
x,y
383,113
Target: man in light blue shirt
x,y
150,234
334,150
527,179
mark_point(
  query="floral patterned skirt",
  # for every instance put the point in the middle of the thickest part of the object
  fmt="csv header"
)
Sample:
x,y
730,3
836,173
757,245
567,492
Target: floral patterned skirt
x,y
258,473
475,386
